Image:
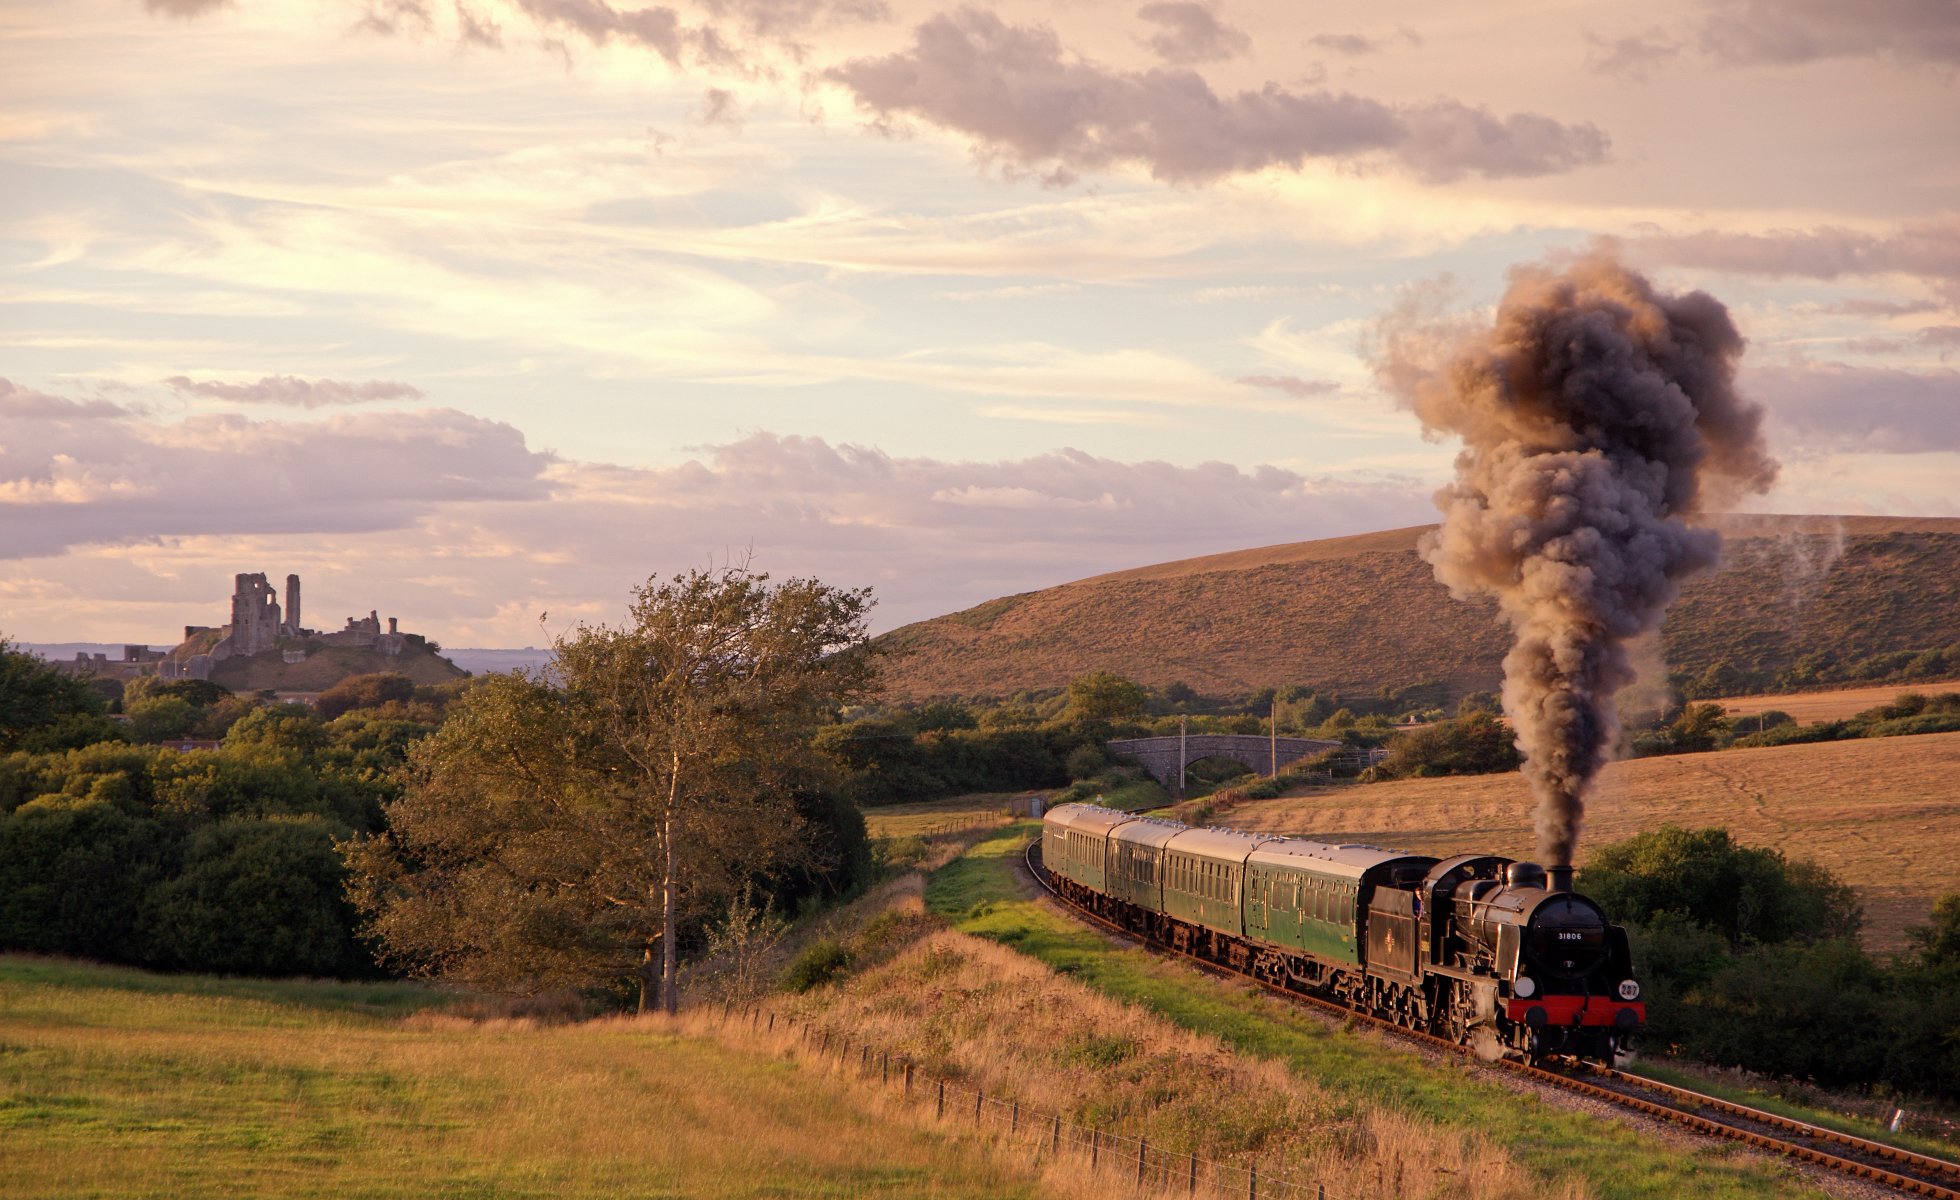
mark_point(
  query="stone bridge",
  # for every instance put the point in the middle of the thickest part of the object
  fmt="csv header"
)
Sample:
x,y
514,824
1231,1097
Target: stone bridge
x,y
1166,757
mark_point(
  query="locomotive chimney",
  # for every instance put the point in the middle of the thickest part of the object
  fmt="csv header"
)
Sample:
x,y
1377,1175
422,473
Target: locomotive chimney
x,y
1558,878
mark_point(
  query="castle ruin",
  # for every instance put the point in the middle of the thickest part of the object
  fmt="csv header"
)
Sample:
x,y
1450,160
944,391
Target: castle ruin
x,y
259,627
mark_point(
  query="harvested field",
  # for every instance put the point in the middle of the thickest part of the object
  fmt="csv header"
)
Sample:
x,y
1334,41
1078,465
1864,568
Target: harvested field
x,y
977,810
1835,705
1884,813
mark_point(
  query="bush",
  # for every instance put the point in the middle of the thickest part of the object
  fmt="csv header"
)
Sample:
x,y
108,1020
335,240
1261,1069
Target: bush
x,y
1746,893
365,691
821,963
257,897
1086,761
1476,743
161,718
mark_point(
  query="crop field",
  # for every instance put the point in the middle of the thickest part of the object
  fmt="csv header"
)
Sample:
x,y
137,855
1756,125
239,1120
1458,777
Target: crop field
x,y
1883,813
120,1083
1809,707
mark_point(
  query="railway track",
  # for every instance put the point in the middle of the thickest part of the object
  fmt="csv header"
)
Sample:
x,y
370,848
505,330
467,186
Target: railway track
x,y
1889,1166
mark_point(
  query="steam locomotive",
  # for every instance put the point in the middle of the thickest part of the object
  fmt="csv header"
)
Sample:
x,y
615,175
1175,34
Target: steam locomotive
x,y
1486,951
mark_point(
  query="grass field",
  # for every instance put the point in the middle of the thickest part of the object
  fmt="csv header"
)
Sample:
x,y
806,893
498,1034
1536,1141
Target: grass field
x,y
1354,1072
118,1083
1809,707
1883,813
938,816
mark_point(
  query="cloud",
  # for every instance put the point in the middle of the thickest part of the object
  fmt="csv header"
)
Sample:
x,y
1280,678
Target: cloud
x,y
1831,407
1028,103
769,18
184,8
1351,44
78,474
1292,385
24,404
1631,56
658,28
1784,32
1926,249
1192,33
475,534
295,393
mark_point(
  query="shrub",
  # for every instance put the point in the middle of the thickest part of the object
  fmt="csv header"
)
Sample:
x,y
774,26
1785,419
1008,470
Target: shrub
x,y
1086,761
1476,743
821,962
1746,893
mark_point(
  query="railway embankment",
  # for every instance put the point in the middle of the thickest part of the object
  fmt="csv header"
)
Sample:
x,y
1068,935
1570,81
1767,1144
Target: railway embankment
x,y
1560,1143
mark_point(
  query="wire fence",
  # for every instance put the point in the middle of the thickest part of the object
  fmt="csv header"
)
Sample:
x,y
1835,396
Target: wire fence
x,y
1120,1161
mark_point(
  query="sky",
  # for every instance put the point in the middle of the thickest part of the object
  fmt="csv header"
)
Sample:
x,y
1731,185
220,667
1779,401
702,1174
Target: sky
x,y
481,312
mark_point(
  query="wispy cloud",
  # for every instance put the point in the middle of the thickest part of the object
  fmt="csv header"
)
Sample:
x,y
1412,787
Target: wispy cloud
x,y
295,393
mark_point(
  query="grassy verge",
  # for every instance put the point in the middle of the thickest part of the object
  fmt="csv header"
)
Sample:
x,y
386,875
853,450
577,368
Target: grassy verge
x,y
981,896
113,1083
1784,1106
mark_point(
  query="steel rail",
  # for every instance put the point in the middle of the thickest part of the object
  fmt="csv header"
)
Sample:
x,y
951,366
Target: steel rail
x,y
1943,1177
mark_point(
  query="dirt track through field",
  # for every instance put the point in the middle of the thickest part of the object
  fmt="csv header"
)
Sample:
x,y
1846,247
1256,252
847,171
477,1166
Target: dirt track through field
x,y
1883,813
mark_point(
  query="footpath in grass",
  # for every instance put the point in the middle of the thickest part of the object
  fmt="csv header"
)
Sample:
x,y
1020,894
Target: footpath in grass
x,y
116,1083
981,895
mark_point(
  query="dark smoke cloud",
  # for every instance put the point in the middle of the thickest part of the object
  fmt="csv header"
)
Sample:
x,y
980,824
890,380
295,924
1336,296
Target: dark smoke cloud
x,y
1025,101
1597,416
1192,33
296,393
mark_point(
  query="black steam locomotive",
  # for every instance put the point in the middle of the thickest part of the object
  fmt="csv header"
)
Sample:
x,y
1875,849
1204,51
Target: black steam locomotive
x,y
1483,950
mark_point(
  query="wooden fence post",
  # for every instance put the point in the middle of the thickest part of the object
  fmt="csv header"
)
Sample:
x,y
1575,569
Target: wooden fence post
x,y
1191,1185
908,1077
1143,1154
1095,1147
978,1096
1056,1143
941,1113
1252,1182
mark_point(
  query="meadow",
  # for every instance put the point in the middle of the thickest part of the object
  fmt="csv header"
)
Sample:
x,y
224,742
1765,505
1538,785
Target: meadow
x,y
1881,813
115,1082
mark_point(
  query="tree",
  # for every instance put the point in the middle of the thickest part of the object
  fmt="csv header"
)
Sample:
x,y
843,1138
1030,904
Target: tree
x,y
365,691
1939,942
1104,696
1746,893
42,708
555,834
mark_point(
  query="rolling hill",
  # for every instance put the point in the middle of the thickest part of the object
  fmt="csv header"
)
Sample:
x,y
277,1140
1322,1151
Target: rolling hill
x,y
1796,600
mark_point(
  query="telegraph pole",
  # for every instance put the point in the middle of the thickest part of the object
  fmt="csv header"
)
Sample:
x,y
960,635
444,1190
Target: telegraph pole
x,y
1272,731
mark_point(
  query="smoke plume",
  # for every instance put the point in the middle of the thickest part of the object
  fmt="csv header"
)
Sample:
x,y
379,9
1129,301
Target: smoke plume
x,y
1599,417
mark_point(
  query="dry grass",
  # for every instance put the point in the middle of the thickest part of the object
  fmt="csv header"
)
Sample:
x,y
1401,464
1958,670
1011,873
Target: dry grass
x,y
1810,707
1881,813
976,810
1359,614
998,1022
106,1091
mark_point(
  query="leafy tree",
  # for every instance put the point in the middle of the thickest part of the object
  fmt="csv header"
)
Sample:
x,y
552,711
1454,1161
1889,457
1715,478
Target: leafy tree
x,y
201,693
290,727
364,691
1939,942
554,835
159,718
257,897
1746,893
42,708
1476,743
1104,696
1699,727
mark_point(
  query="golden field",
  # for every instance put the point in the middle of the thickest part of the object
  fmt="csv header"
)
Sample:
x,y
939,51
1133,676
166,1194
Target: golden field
x,y
1883,813
1807,708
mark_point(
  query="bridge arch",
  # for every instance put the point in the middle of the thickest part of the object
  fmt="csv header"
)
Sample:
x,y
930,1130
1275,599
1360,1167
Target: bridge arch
x,y
1166,757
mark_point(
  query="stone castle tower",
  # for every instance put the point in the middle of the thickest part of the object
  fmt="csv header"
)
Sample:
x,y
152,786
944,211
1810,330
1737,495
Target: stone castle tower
x,y
255,623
